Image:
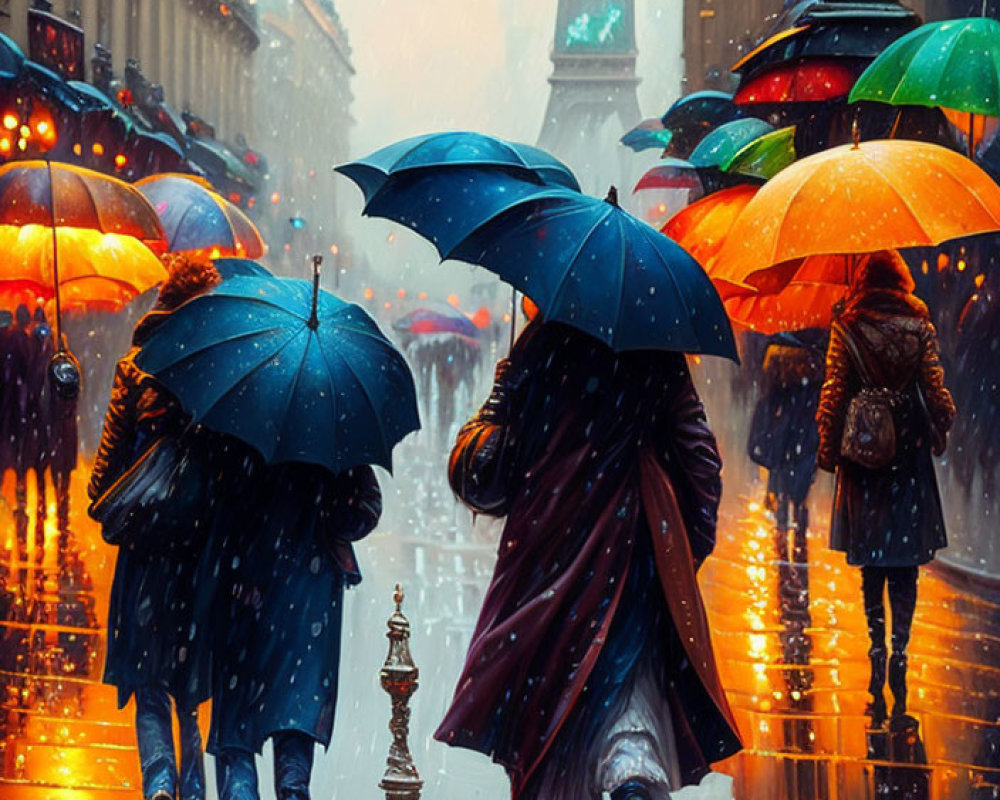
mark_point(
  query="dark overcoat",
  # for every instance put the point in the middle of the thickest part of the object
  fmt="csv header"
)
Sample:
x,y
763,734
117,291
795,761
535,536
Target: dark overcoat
x,y
888,517
151,628
587,453
276,588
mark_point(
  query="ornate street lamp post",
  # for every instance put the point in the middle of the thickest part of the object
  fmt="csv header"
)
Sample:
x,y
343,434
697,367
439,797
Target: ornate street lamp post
x,y
399,675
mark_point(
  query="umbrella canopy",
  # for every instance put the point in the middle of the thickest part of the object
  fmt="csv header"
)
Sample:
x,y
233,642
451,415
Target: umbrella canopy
x,y
953,64
240,268
727,140
858,198
672,173
693,117
797,306
197,219
461,149
97,271
427,320
647,135
82,199
299,374
584,261
810,81
11,57
701,228
765,156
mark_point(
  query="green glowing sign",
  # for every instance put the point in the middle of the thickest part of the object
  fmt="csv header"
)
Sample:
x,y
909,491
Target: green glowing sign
x,y
602,27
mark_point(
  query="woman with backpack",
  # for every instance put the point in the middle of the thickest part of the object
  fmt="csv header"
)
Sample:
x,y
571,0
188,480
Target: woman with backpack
x,y
883,411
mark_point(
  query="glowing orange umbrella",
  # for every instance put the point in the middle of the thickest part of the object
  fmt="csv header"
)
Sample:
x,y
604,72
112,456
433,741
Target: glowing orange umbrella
x,y
96,270
880,195
702,227
40,193
797,306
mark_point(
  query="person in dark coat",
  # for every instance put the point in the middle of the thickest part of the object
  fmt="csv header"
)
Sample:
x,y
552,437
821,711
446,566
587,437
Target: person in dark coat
x,y
277,606
150,617
783,437
591,667
888,521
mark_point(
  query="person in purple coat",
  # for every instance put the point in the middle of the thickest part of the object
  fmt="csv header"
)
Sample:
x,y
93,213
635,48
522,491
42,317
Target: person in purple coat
x,y
591,668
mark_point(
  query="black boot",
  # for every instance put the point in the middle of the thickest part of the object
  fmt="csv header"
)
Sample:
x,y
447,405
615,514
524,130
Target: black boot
x,y
897,683
876,685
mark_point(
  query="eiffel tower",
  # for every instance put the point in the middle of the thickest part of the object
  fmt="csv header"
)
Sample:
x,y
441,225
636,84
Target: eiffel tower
x,y
593,78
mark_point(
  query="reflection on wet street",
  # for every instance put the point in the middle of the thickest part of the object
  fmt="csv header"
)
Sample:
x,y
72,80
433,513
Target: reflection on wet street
x,y
788,627
792,647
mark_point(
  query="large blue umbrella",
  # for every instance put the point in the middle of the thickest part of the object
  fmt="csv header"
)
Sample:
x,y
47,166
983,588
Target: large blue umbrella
x,y
582,260
297,373
455,150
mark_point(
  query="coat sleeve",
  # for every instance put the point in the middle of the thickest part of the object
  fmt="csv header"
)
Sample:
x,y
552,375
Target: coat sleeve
x,y
833,399
480,469
118,435
939,399
357,506
694,465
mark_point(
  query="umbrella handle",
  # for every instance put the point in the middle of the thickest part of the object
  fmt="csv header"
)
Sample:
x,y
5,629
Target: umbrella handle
x,y
55,258
313,318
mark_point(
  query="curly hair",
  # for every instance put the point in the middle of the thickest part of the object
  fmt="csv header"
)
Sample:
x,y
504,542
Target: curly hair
x,y
884,269
189,276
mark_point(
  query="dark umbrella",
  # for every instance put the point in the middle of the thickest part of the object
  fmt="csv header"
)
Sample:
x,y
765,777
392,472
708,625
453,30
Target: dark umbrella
x,y
582,260
297,373
455,150
693,117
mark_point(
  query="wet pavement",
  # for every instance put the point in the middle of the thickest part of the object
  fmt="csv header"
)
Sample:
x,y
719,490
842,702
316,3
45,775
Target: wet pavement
x,y
796,671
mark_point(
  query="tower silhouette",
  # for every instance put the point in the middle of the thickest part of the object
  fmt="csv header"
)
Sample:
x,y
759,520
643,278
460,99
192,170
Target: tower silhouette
x,y
594,78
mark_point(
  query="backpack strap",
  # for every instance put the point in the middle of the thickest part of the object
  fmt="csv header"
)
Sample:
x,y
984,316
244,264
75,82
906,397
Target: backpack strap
x,y
860,363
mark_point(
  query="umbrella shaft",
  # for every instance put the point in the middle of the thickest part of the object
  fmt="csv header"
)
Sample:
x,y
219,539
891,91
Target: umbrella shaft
x,y
55,257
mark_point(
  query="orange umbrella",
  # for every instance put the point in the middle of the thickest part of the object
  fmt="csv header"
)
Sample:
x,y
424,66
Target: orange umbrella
x,y
880,195
96,270
797,306
702,227
75,197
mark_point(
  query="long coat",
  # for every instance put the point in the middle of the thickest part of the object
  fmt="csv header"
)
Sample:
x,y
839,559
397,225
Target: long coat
x,y
276,594
150,615
16,355
783,436
587,453
889,517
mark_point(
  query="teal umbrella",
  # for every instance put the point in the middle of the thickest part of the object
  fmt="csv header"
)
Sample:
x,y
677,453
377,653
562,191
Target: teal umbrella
x,y
727,140
295,372
954,65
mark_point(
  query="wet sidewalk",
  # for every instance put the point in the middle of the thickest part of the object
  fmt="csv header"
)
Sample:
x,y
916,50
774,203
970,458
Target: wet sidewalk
x,y
792,647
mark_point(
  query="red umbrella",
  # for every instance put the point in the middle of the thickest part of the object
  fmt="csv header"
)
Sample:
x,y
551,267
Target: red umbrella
x,y
803,82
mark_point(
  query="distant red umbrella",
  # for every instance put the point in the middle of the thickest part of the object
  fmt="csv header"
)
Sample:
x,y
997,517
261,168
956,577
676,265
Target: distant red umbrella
x,y
803,82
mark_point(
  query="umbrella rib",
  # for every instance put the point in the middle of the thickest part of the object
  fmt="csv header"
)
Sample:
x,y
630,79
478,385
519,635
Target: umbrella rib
x,y
781,225
621,283
294,386
971,189
576,255
371,402
906,205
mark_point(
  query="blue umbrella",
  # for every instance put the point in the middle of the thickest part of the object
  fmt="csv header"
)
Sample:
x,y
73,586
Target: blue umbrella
x,y
647,135
583,261
240,268
455,150
297,373
11,57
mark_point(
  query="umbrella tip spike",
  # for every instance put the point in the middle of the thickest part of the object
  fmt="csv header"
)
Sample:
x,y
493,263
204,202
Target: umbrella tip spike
x,y
612,197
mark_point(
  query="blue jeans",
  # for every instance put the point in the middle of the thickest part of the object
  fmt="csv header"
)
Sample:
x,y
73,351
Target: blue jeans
x,y
236,772
154,731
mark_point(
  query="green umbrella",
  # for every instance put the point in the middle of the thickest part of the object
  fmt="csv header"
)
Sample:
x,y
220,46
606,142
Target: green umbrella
x,y
765,156
953,64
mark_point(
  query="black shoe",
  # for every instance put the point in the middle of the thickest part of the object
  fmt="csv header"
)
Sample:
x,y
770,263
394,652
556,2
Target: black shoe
x,y
632,790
